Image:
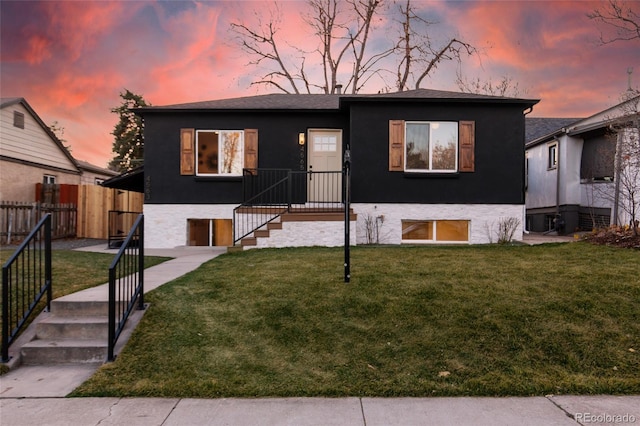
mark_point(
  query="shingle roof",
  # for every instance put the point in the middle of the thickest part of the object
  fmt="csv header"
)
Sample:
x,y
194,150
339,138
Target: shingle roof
x,y
283,101
537,127
9,101
97,169
273,101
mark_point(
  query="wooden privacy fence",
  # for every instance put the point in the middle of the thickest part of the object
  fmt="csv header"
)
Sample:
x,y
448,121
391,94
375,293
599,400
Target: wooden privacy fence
x,y
18,219
85,216
94,204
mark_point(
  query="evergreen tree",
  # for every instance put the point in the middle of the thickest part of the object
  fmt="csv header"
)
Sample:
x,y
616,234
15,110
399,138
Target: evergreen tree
x,y
128,144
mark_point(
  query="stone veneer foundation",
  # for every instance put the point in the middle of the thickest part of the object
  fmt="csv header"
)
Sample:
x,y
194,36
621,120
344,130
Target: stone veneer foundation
x,y
166,224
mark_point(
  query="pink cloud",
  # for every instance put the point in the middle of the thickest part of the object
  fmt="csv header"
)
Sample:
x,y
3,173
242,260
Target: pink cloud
x,y
71,59
78,27
38,49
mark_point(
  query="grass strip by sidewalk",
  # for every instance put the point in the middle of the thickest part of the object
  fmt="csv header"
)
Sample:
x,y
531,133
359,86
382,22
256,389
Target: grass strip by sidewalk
x,y
414,321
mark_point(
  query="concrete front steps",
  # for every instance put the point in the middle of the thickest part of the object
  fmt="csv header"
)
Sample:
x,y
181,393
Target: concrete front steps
x,y
74,332
302,229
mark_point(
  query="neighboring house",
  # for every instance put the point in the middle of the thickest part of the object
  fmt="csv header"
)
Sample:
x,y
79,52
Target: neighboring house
x,y
94,175
426,167
572,168
30,153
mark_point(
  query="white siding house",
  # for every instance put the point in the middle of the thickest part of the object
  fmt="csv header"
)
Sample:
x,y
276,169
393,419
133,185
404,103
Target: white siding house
x,y
30,153
575,181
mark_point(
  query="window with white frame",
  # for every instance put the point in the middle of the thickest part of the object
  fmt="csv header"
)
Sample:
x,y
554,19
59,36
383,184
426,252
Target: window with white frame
x,y
219,152
553,156
431,146
430,231
48,179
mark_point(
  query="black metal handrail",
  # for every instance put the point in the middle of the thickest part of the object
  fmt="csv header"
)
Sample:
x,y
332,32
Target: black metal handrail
x,y
269,193
266,190
26,279
120,222
126,283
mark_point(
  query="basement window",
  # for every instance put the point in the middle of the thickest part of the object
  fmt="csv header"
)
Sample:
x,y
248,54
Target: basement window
x,y
210,232
432,231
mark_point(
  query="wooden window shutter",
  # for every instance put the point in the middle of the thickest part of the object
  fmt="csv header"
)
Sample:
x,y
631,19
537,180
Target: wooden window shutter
x,y
250,148
467,146
396,145
187,150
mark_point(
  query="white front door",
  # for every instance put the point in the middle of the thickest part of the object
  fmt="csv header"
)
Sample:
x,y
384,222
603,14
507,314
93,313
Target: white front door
x,y
324,155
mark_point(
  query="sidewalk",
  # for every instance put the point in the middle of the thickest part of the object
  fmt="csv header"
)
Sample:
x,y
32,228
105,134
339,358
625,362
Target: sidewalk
x,y
548,411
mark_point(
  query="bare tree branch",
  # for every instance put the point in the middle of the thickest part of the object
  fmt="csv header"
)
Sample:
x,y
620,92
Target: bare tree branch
x,y
262,45
452,50
344,30
416,52
366,10
619,16
505,87
408,44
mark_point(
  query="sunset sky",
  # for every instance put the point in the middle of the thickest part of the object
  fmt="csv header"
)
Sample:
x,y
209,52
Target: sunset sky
x,y
71,59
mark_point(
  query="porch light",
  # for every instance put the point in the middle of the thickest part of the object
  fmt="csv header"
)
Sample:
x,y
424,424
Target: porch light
x,y
301,138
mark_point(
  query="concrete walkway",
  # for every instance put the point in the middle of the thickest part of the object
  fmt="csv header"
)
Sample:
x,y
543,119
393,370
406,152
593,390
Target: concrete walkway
x,y
34,395
535,238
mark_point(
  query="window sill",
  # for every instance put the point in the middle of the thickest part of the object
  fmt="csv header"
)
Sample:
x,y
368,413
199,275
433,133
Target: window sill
x,y
596,181
432,242
218,178
431,175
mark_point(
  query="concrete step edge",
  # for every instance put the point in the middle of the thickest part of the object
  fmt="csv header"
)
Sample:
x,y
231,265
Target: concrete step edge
x,y
66,343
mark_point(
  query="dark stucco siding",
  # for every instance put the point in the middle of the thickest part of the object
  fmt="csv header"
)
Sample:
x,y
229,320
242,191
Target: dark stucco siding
x,y
499,156
277,148
499,152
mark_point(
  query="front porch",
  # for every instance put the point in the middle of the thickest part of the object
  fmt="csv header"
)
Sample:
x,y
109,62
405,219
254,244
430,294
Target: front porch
x,y
286,208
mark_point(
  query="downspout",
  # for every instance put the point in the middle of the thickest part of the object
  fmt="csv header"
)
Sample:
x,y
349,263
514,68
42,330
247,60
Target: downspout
x,y
557,176
526,177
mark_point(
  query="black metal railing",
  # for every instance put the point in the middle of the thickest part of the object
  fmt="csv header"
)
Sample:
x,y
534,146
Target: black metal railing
x,y
120,222
269,193
26,280
126,283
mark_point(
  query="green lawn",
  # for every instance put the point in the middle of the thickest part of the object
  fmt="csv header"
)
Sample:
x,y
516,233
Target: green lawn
x,y
414,321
